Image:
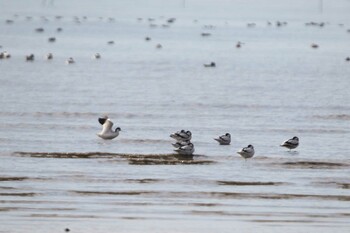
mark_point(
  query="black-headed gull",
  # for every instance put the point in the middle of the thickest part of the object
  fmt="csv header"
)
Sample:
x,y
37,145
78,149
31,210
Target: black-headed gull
x,y
107,132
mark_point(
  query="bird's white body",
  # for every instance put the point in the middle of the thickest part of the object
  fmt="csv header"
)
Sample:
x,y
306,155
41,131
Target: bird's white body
x,y
224,139
185,150
4,54
291,143
107,132
97,56
247,152
49,56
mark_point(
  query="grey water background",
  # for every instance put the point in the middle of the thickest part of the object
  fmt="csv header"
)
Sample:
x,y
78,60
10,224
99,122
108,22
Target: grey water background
x,y
56,173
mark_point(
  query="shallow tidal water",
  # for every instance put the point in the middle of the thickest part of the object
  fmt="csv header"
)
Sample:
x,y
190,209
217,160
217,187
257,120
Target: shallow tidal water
x,y
55,173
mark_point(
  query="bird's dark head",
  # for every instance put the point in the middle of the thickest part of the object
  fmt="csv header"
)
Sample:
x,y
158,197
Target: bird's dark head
x,y
102,120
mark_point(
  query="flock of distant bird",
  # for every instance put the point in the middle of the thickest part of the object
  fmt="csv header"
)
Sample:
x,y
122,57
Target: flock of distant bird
x,y
183,144
70,60
49,56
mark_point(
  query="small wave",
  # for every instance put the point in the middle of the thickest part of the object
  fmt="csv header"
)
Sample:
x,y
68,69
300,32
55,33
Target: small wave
x,y
343,117
334,183
94,154
221,195
127,193
145,141
133,218
260,106
65,154
78,114
69,216
270,215
142,181
283,221
315,130
204,204
314,165
242,183
278,196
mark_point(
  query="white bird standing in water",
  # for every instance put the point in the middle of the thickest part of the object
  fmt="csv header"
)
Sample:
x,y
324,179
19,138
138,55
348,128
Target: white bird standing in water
x,y
49,56
291,143
97,56
224,139
185,150
247,152
107,132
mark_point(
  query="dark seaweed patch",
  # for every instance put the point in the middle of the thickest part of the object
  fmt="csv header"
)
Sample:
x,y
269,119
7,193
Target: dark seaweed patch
x,y
134,159
165,159
143,161
18,194
13,178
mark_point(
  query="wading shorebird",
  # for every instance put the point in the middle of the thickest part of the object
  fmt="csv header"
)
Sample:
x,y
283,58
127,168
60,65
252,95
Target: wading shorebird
x,y
224,139
247,152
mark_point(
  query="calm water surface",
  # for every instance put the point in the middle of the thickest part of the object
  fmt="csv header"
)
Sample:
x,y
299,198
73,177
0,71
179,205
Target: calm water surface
x,y
55,173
